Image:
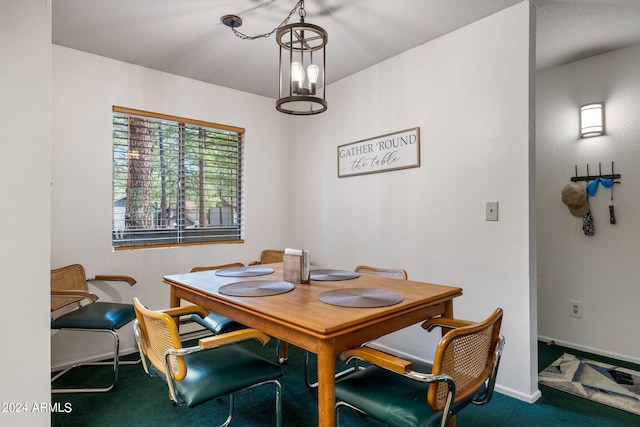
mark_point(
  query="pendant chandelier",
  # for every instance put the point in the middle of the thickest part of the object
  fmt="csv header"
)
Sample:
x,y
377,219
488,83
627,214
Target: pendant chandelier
x,y
302,61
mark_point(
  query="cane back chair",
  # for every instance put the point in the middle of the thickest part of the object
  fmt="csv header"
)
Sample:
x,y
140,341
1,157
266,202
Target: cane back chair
x,y
463,372
393,273
270,256
213,368
74,307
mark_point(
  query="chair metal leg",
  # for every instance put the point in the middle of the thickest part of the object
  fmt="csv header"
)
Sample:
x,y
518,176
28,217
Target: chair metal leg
x,y
278,403
115,363
278,387
315,384
340,404
231,405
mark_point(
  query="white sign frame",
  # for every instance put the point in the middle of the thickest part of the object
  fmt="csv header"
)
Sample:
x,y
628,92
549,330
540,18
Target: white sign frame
x,y
384,153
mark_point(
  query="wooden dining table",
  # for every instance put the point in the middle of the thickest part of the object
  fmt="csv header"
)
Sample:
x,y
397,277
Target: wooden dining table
x,y
300,318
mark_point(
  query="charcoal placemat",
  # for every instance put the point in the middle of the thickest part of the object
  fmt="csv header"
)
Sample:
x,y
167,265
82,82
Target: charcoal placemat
x,y
256,288
360,297
329,275
244,271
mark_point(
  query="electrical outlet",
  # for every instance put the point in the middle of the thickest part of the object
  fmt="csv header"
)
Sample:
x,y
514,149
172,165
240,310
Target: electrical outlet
x,y
575,309
491,211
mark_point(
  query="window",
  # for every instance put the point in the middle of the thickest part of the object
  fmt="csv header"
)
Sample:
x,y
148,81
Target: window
x,y
175,181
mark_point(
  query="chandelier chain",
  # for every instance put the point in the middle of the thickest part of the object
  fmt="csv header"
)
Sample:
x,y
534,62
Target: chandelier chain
x,y
243,36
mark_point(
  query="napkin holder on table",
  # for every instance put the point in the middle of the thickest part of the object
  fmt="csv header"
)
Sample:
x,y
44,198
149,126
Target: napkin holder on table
x,y
296,265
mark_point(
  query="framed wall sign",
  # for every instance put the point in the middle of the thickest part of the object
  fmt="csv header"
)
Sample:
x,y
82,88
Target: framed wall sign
x,y
393,151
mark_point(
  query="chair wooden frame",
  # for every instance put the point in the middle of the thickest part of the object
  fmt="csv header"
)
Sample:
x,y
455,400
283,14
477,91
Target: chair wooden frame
x,y
448,384
216,267
159,343
269,256
395,273
69,292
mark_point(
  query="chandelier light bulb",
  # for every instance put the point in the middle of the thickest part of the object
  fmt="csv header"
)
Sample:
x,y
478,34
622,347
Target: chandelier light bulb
x,y
297,75
312,73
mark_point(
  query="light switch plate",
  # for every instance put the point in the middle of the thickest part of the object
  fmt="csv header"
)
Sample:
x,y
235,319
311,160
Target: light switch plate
x,y
491,211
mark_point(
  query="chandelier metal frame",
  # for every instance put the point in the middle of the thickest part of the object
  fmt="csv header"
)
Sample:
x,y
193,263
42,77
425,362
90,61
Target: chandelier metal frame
x,y
302,46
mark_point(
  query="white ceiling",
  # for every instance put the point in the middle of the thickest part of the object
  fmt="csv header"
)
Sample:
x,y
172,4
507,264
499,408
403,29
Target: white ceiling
x,y
186,37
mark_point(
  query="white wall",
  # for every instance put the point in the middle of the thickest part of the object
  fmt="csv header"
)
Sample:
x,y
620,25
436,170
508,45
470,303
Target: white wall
x,y
85,87
602,270
25,174
469,93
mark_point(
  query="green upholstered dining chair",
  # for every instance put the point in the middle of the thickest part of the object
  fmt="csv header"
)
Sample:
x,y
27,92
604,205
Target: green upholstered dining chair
x,y
400,393
393,273
74,307
213,368
215,322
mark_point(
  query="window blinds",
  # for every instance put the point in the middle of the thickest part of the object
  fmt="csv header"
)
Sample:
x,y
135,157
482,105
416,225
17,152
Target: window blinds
x,y
175,181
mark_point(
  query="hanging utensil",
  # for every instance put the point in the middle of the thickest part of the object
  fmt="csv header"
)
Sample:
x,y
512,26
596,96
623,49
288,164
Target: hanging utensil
x,y
612,214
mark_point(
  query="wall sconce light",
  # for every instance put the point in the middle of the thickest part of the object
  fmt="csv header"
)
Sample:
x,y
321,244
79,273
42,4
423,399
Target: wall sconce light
x,y
592,120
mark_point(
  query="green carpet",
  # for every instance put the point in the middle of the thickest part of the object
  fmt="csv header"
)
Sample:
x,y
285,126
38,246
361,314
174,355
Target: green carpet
x,y
601,382
142,401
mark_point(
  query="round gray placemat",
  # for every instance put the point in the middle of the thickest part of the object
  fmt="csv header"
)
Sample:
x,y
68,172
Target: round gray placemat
x,y
329,275
256,288
244,271
360,297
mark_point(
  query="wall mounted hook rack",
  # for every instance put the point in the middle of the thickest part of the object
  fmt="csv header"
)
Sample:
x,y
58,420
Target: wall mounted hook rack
x,y
588,177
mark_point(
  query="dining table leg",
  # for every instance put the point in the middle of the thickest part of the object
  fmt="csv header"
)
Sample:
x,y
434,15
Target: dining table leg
x,y
448,313
174,301
326,384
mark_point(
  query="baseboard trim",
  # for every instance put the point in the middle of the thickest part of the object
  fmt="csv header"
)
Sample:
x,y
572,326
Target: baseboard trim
x,y
592,350
188,330
66,364
517,395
